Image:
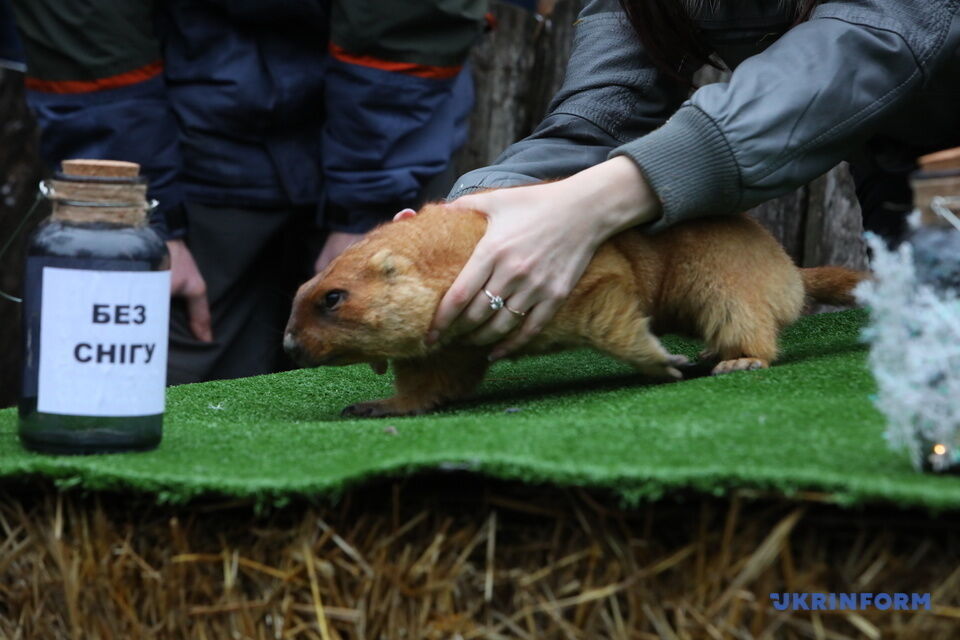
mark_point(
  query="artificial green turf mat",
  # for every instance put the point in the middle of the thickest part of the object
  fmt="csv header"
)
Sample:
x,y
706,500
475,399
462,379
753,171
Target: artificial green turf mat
x,y
575,418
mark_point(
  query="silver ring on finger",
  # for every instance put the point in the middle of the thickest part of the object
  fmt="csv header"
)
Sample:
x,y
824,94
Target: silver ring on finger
x,y
519,314
496,302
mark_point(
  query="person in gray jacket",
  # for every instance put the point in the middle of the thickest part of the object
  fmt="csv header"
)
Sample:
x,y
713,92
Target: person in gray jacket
x,y
875,82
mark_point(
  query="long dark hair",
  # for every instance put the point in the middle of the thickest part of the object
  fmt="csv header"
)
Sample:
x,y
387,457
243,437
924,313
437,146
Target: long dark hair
x,y
672,38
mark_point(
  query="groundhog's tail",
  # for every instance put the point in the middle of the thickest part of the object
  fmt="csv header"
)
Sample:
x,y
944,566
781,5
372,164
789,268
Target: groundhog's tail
x,y
832,285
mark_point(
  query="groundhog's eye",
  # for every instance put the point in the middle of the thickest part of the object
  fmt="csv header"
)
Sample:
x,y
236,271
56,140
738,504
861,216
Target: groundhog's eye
x,y
333,298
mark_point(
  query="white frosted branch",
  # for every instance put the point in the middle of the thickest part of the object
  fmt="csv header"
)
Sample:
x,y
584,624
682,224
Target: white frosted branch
x,y
914,333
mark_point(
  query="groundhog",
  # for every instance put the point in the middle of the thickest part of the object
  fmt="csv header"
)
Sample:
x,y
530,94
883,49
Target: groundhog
x,y
725,280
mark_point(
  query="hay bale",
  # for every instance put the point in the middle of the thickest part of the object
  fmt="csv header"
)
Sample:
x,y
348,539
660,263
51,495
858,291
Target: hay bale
x,y
455,556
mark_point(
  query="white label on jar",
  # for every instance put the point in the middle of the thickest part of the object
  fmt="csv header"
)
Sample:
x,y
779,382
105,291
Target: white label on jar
x,y
103,342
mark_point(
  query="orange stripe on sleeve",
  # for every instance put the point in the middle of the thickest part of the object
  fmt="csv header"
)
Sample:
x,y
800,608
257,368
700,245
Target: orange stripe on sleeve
x,y
86,86
409,68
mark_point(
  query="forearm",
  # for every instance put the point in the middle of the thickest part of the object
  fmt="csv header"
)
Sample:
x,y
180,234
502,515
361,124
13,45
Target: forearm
x,y
614,195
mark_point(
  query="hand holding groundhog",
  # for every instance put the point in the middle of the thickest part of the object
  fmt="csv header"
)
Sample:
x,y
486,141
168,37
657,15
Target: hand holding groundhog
x,y
725,280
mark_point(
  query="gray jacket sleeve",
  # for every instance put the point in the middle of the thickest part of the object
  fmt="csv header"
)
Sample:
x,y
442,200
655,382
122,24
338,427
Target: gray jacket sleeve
x,y
792,112
610,96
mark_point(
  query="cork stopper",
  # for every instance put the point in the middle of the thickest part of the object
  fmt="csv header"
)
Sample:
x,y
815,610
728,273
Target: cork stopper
x,y
100,168
100,191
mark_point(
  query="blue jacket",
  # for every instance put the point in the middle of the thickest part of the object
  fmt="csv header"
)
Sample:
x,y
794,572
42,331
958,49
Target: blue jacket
x,y
240,103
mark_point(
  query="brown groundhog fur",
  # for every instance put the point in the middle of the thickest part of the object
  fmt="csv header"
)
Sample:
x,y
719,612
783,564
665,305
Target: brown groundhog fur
x,y
723,279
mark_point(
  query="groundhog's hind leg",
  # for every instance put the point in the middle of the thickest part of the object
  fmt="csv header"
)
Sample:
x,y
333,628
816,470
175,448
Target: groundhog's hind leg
x,y
427,383
739,337
617,327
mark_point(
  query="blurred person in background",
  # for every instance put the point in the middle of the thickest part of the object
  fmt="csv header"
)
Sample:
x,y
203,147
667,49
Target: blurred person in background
x,y
260,125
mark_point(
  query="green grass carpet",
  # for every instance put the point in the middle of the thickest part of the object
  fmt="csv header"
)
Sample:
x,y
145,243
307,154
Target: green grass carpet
x,y
574,418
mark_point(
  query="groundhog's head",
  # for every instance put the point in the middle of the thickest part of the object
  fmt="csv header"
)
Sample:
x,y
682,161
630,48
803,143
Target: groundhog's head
x,y
370,305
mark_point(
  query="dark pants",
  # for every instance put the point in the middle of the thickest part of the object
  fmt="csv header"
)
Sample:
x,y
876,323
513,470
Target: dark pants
x,y
252,261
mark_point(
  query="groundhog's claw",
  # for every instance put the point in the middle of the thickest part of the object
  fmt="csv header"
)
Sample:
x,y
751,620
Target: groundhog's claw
x,y
665,370
669,368
677,360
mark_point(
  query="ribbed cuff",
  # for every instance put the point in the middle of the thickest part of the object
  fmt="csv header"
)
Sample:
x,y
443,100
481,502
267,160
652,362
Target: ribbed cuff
x,y
486,179
463,191
689,164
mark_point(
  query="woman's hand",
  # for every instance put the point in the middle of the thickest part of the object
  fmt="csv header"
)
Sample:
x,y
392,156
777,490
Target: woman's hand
x,y
539,241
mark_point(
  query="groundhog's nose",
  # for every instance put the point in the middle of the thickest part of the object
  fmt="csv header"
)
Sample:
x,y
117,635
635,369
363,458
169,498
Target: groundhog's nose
x,y
292,347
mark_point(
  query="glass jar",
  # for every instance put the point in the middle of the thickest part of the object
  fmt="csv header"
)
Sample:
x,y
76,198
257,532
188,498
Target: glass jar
x,y
95,316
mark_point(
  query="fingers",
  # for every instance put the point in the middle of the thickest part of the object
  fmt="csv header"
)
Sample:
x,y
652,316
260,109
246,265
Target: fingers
x,y
462,293
502,322
198,311
479,313
404,214
484,325
519,259
476,201
181,265
464,306
187,282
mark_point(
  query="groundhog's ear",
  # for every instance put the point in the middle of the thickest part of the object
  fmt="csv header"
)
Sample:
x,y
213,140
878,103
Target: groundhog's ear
x,y
389,263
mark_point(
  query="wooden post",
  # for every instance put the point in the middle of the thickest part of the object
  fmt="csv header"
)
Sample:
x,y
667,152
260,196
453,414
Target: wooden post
x,y
517,68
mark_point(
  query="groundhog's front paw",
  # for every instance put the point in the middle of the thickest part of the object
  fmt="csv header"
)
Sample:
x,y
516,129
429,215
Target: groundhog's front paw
x,y
377,409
